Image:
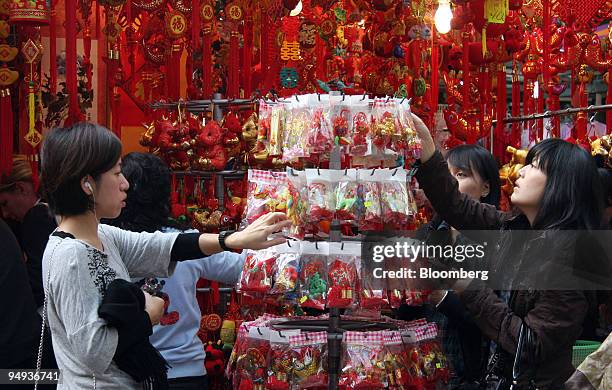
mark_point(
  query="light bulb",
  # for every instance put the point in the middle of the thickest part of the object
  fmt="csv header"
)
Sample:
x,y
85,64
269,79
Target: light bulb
x,y
443,16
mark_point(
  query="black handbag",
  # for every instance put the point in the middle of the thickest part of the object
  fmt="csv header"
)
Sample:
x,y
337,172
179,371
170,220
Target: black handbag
x,y
523,367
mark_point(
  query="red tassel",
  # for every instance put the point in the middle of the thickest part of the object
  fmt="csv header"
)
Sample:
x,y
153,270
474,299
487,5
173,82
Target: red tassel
x,y
609,101
52,50
6,132
234,65
435,77
516,107
195,24
74,112
247,55
207,62
174,62
581,119
466,72
498,142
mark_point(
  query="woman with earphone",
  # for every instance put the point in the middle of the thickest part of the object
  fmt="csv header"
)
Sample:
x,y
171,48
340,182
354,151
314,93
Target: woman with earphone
x,y
99,322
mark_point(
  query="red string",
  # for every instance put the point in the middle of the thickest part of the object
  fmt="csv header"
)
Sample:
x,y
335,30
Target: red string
x,y
247,57
71,63
6,132
195,24
207,62
234,55
52,50
609,101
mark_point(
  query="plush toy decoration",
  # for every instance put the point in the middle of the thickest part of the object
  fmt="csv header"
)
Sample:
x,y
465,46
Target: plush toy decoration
x,y
214,362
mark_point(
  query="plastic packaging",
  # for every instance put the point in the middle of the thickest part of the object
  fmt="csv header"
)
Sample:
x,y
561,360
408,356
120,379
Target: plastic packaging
x,y
313,275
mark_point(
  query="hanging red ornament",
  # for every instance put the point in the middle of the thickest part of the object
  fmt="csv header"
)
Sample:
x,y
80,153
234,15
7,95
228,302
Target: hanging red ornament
x,y
211,134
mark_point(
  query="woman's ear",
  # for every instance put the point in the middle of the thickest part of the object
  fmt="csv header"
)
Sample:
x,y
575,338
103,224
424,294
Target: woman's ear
x,y
486,188
86,185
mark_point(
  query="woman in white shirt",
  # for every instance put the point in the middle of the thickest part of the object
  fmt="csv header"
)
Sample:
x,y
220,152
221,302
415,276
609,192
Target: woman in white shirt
x,y
86,263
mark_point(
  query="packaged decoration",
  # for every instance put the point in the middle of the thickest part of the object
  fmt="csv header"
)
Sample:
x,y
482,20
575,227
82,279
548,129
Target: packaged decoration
x,y
397,205
347,204
272,121
280,360
363,362
360,124
372,296
396,361
320,137
384,124
286,268
313,275
251,364
340,115
258,271
343,269
370,218
267,192
427,364
406,140
309,360
297,204
297,118
321,194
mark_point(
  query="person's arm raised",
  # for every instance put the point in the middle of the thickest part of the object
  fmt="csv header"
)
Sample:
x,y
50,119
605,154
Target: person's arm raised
x,y
442,189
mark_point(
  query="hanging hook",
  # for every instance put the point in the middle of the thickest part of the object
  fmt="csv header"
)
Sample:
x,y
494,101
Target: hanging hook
x,y
342,246
259,331
404,98
364,96
289,243
394,172
372,174
319,96
318,172
281,335
297,99
343,95
317,245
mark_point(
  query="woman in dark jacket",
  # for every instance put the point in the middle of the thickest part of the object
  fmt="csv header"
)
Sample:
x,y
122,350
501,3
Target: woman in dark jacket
x,y
558,189
476,172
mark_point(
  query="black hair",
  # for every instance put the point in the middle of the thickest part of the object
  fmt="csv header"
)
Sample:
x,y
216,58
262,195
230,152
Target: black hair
x,y
68,155
475,158
573,195
606,181
148,198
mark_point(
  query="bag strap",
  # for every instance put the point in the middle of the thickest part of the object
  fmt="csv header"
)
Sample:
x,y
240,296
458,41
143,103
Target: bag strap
x,y
525,347
44,322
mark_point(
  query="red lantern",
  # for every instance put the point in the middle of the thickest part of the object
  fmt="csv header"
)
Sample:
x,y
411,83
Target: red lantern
x,y
30,12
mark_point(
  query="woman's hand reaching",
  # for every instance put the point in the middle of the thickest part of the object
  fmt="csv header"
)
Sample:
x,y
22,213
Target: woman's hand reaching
x,y
428,147
255,236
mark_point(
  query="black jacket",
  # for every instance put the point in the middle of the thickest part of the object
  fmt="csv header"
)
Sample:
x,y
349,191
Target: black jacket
x,y
520,263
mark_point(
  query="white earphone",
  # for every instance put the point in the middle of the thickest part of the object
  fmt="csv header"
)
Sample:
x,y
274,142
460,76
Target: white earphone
x,y
89,187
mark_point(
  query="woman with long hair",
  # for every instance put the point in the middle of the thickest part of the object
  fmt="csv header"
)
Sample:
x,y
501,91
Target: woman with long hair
x,y
558,190
100,322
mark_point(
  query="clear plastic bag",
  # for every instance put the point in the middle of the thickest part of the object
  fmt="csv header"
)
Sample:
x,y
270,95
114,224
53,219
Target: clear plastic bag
x,y
370,218
258,271
398,208
313,275
280,360
320,136
286,268
297,119
363,364
267,192
347,203
251,364
360,127
297,204
321,194
343,270
309,360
